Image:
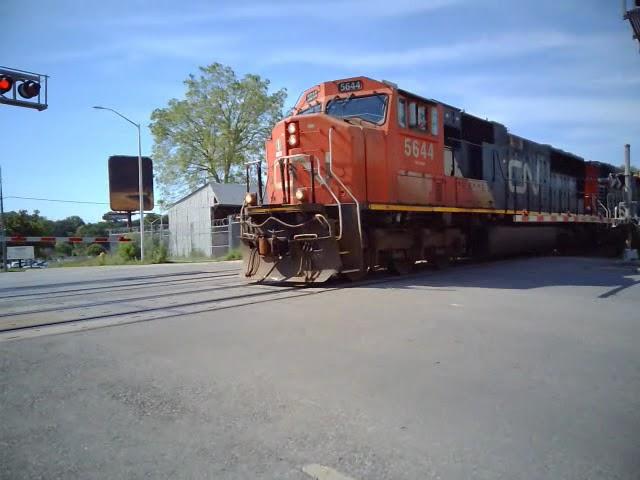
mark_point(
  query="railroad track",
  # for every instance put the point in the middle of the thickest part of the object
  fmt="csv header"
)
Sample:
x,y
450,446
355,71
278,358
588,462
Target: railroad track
x,y
79,309
63,310
112,288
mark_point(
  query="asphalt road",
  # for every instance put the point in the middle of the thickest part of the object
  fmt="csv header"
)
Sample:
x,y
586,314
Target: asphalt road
x,y
522,369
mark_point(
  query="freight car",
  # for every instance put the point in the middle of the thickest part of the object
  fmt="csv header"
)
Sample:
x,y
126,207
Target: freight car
x,y
364,174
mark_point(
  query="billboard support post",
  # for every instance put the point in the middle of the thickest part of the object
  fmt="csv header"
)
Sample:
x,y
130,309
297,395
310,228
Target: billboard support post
x,y
140,182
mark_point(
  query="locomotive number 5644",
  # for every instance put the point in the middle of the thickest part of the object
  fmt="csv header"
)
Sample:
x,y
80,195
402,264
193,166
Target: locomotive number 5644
x,y
418,148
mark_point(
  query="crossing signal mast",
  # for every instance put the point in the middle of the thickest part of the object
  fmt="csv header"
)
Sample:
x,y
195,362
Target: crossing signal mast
x,y
23,89
633,16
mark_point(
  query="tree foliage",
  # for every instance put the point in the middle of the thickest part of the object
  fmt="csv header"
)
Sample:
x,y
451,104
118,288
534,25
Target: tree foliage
x,y
67,226
35,225
23,223
221,123
98,229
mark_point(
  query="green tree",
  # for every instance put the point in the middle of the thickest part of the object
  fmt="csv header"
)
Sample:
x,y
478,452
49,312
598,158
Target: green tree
x,y
67,227
22,223
99,229
222,122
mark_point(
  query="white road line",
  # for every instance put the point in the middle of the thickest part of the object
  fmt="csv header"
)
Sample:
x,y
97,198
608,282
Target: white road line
x,y
320,472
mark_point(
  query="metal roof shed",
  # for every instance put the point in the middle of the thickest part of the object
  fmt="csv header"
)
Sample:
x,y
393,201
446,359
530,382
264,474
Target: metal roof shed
x,y
192,219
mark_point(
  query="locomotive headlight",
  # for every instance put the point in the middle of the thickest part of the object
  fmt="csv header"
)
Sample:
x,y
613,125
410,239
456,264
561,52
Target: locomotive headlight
x,y
301,195
292,132
251,198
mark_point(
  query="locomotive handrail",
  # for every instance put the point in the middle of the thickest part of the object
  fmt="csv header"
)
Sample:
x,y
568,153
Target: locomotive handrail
x,y
606,210
258,163
322,181
343,186
326,185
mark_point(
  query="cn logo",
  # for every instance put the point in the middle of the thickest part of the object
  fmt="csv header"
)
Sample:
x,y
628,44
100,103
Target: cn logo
x,y
527,177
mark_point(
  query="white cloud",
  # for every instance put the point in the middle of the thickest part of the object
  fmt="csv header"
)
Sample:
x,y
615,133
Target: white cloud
x,y
483,47
141,47
554,109
304,12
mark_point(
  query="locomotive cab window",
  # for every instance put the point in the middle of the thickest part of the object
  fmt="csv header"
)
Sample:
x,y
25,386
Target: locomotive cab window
x,y
413,116
422,118
307,111
420,115
402,112
372,108
434,120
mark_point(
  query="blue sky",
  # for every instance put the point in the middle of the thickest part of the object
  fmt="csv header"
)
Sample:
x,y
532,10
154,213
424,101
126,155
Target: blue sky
x,y
560,72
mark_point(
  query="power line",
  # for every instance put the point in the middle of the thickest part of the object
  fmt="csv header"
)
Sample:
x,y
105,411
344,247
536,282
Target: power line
x,y
56,200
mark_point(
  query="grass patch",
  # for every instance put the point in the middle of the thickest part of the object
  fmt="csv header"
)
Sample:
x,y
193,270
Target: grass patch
x,y
121,257
192,259
234,254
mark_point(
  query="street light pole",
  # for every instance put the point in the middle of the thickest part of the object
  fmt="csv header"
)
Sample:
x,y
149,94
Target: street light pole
x,y
140,195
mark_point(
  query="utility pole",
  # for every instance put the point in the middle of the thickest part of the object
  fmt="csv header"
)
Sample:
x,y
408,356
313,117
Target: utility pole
x,y
628,193
3,230
629,253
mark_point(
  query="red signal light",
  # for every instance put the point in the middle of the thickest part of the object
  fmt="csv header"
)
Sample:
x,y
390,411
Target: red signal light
x,y
29,89
5,84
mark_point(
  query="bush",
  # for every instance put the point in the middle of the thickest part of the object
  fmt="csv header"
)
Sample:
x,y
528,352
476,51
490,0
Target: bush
x,y
63,249
94,250
159,253
79,250
129,251
155,249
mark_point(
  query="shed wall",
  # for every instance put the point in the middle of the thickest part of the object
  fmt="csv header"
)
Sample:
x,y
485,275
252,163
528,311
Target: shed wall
x,y
190,224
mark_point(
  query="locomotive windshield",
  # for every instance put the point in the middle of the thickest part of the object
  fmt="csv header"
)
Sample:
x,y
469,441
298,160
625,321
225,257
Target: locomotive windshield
x,y
371,108
315,109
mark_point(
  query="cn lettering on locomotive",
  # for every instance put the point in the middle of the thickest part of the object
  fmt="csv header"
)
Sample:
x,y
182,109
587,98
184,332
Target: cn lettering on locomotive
x,y
365,175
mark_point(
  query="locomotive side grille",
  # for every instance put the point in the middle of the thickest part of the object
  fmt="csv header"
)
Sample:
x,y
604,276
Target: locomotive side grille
x,y
438,192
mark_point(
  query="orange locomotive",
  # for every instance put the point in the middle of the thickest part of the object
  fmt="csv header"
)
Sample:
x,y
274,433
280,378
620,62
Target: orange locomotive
x,y
364,174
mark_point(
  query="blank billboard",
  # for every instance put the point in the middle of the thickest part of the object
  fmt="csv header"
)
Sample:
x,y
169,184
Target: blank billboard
x,y
123,183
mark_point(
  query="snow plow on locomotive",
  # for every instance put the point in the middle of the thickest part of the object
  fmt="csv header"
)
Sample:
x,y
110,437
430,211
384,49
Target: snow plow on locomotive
x,y
366,175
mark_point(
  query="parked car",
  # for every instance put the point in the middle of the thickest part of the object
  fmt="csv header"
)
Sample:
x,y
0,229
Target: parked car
x,y
36,264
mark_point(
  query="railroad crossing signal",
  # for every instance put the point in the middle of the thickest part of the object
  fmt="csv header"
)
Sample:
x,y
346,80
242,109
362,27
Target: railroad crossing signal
x,y
23,89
